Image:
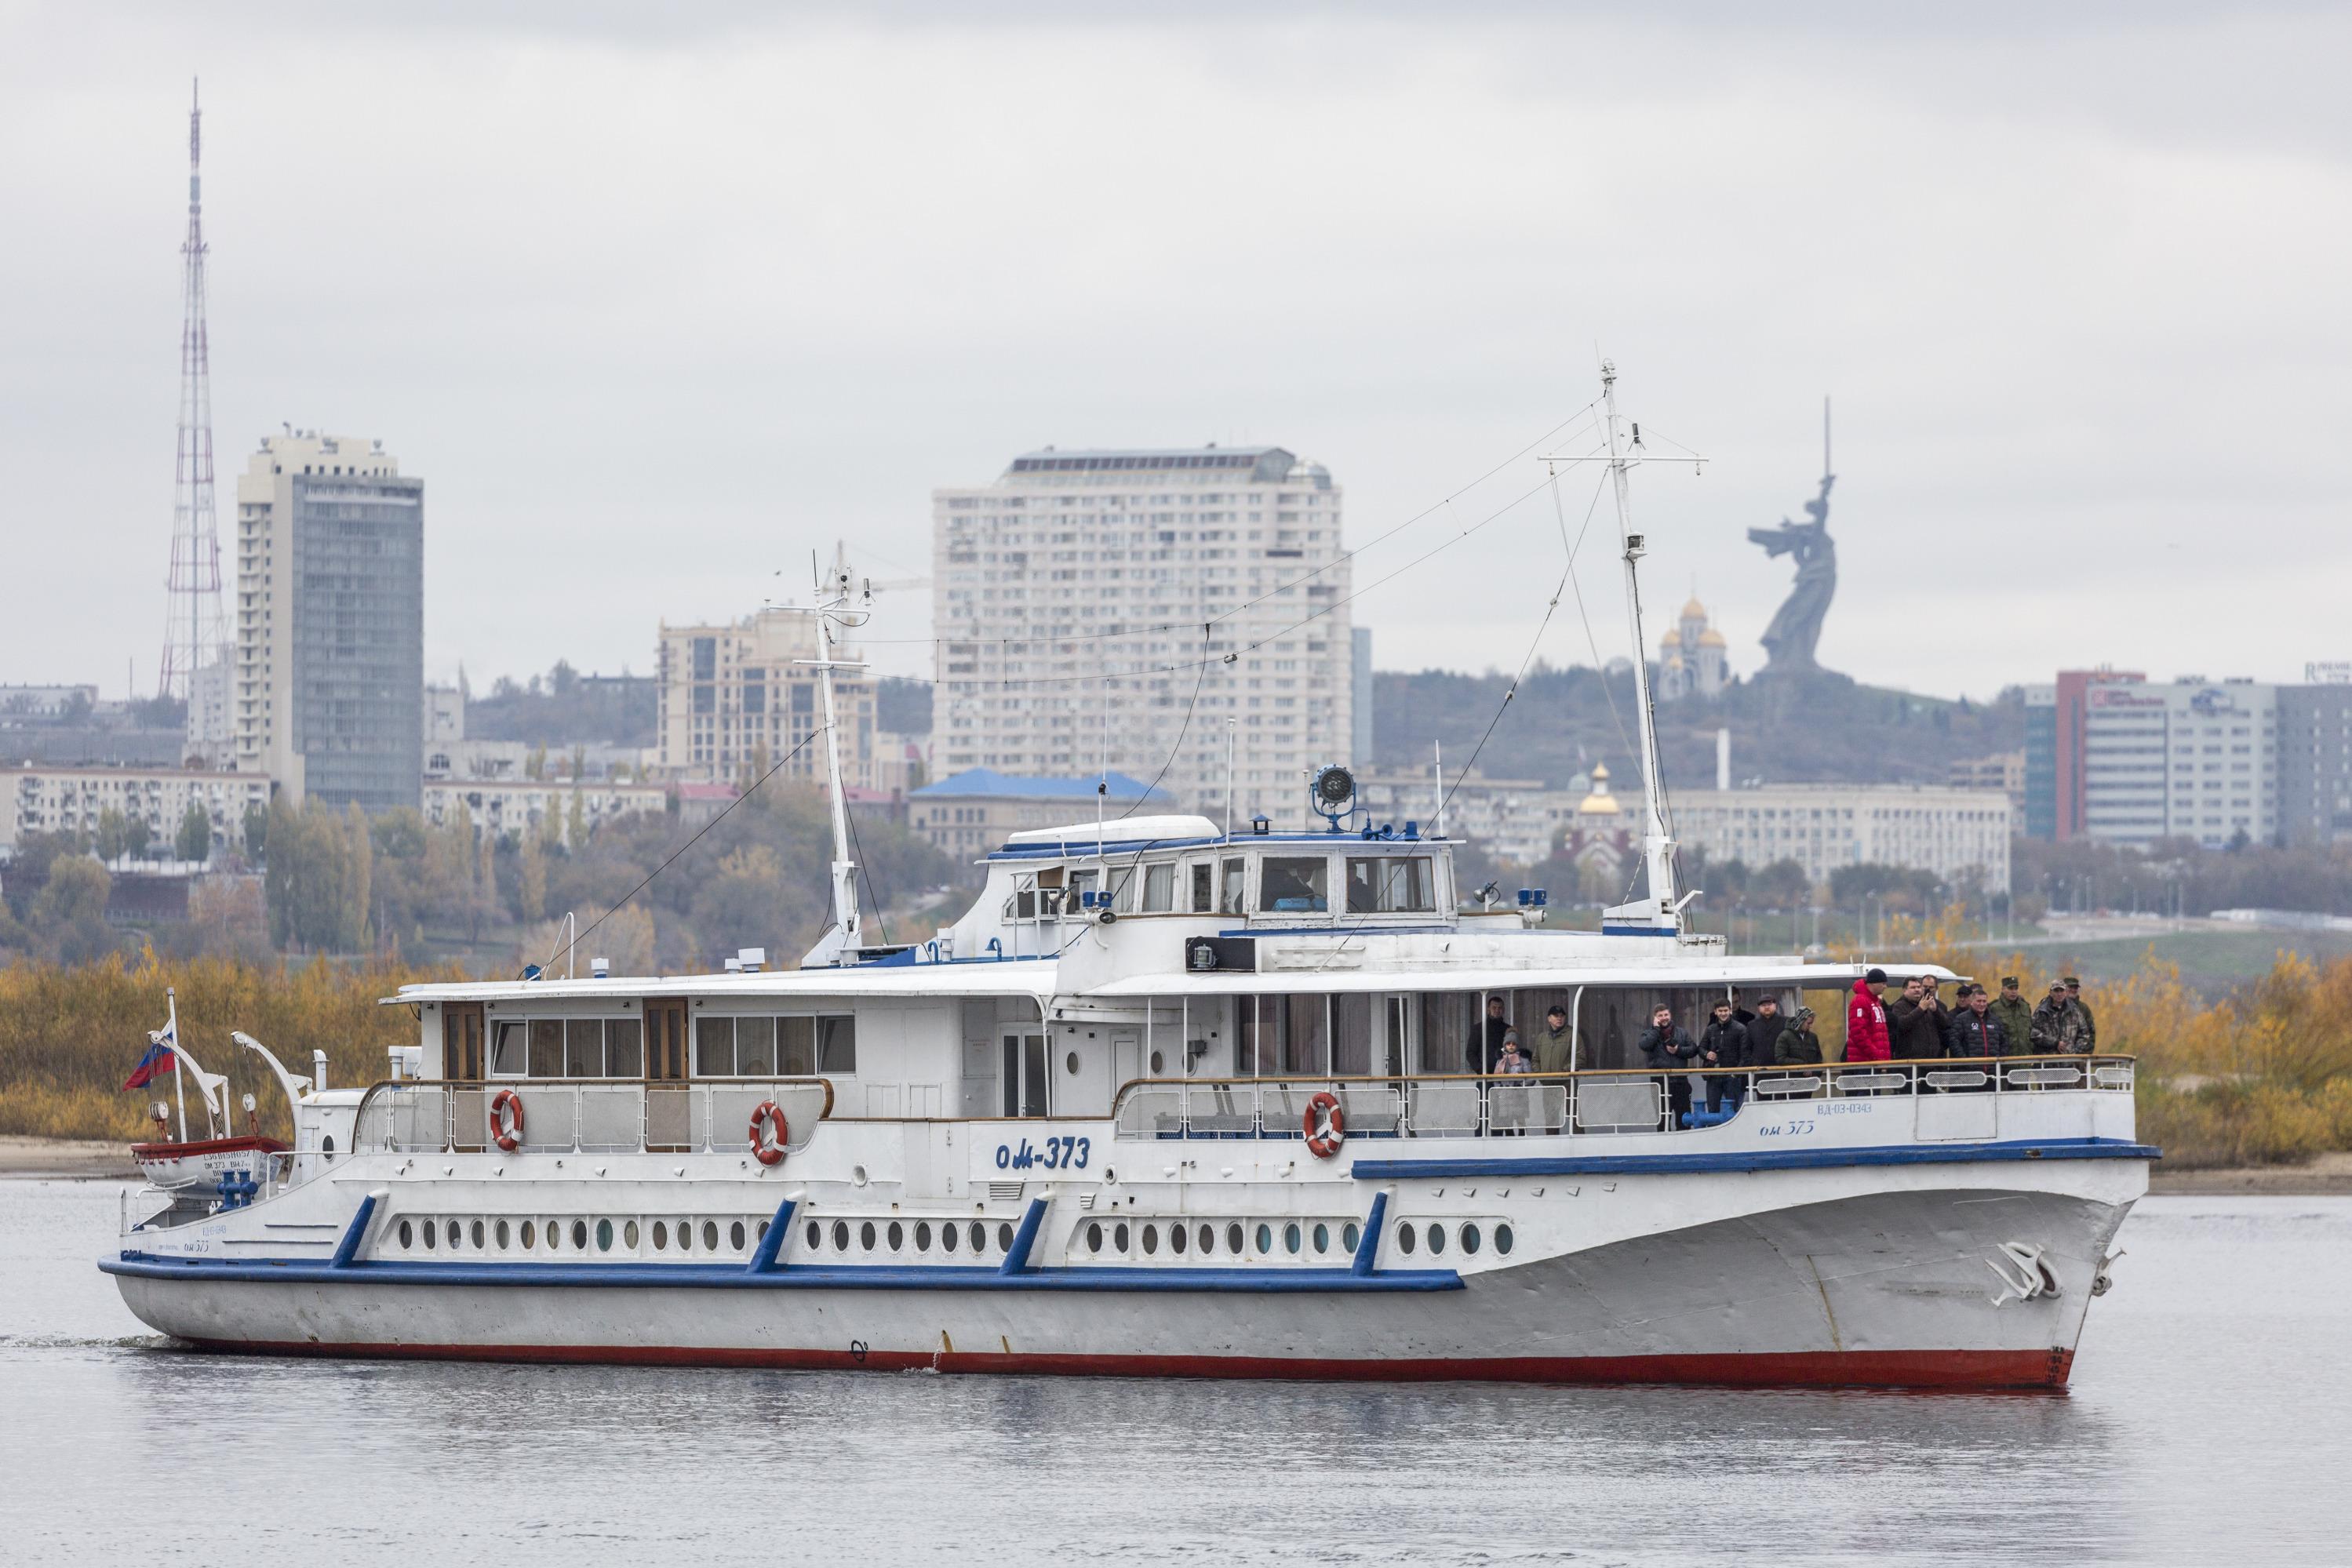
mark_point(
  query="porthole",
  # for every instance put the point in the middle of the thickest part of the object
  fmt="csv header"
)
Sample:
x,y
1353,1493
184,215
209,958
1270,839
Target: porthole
x,y
1322,1238
710,1236
453,1236
1350,1235
764,1231
685,1235
1118,1238
432,1236
947,1236
554,1234
1176,1238
1233,1240
841,1236
661,1236
897,1236
407,1234
530,1236
735,1235
815,1235
1469,1238
1503,1238
1151,1240
579,1236
1094,1235
1405,1242
1159,1064
923,1235
1290,1239
1003,1237
603,1236
1070,1063
866,1236
629,1236
504,1234
1208,1240
979,1238
479,1239
1436,1240
1264,1240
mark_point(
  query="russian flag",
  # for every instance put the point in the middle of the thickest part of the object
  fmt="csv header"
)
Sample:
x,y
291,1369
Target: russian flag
x,y
159,1058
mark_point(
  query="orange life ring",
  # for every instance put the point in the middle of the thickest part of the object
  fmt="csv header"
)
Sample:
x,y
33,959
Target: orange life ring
x,y
1326,1125
766,1153
506,1120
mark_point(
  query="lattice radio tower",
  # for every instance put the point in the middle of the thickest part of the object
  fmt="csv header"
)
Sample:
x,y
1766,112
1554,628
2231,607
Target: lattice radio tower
x,y
196,634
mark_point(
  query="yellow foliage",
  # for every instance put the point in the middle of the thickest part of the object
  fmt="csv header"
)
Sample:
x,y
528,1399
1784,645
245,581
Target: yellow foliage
x,y
70,1034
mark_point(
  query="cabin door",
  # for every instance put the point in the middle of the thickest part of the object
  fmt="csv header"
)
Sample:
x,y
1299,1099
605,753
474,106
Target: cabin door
x,y
669,1118
463,1064
1022,1075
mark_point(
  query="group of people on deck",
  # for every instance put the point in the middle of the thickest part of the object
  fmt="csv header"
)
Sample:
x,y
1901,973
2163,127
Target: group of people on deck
x,y
1915,1024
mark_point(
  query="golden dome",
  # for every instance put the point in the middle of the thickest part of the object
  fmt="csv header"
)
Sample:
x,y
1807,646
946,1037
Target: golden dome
x,y
1711,638
1674,662
1694,610
1599,802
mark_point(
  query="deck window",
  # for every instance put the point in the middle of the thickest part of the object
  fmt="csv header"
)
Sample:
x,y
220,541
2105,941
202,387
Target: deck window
x,y
625,1048
583,1048
836,1045
508,1039
1159,889
714,1048
796,1047
547,1047
1294,884
1390,884
755,1047
1233,899
1204,887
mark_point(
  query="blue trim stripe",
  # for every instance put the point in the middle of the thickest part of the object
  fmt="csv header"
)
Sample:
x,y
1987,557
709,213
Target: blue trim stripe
x,y
1765,1159
799,1277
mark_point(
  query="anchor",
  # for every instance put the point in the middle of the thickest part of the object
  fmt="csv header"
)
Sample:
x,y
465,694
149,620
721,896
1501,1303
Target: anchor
x,y
2023,1273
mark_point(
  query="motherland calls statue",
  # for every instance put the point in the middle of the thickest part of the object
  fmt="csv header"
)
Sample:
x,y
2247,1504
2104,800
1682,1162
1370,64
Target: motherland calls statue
x,y
1789,640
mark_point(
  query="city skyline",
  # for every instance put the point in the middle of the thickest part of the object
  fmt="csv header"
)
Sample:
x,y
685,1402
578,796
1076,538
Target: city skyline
x,y
2063,439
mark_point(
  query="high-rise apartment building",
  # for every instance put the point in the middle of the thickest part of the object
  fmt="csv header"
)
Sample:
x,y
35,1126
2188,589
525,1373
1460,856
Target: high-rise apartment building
x,y
329,697
740,698
2056,721
2315,762
1125,607
2180,760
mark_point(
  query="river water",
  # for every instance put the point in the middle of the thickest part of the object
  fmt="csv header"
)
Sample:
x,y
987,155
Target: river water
x,y
2210,1420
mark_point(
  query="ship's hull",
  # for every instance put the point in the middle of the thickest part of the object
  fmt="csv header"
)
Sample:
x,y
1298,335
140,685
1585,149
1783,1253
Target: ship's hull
x,y
1783,1277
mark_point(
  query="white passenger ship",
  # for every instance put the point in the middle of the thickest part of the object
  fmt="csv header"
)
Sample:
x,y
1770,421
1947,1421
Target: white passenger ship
x,y
1170,1100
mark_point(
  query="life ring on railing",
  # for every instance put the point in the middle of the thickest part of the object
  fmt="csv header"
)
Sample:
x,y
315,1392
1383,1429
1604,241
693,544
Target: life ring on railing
x,y
769,1114
1326,1125
506,1120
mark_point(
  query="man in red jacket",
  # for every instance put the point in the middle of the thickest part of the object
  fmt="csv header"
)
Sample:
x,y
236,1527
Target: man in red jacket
x,y
1866,1020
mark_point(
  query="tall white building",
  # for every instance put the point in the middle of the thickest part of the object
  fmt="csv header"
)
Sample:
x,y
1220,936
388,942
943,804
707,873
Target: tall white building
x,y
2184,760
1085,603
1961,835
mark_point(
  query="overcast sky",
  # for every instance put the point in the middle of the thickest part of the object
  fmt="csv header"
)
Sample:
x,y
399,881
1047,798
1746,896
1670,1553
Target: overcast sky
x,y
656,307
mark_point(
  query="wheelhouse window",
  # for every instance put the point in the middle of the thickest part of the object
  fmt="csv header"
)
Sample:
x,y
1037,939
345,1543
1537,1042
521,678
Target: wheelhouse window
x,y
1160,888
1390,884
1236,872
1204,887
1294,884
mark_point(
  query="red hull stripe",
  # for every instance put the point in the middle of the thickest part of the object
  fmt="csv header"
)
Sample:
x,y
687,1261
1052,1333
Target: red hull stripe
x,y
1963,1369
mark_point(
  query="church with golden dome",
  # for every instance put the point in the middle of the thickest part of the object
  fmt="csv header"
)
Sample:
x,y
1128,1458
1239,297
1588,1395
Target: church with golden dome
x,y
1691,657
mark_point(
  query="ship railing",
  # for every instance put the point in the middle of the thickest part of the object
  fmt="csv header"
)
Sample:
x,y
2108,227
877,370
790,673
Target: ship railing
x,y
584,1115
1454,1105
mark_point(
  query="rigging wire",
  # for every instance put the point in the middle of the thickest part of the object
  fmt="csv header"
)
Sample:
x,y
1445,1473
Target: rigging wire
x,y
1590,641
697,838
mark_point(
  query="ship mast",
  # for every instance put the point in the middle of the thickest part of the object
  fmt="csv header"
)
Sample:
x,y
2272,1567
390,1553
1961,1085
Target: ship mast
x,y
840,943
1661,913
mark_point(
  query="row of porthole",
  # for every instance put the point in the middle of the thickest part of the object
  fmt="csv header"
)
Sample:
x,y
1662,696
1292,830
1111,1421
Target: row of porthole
x,y
1469,1238
1119,1235
892,1236
552,1235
